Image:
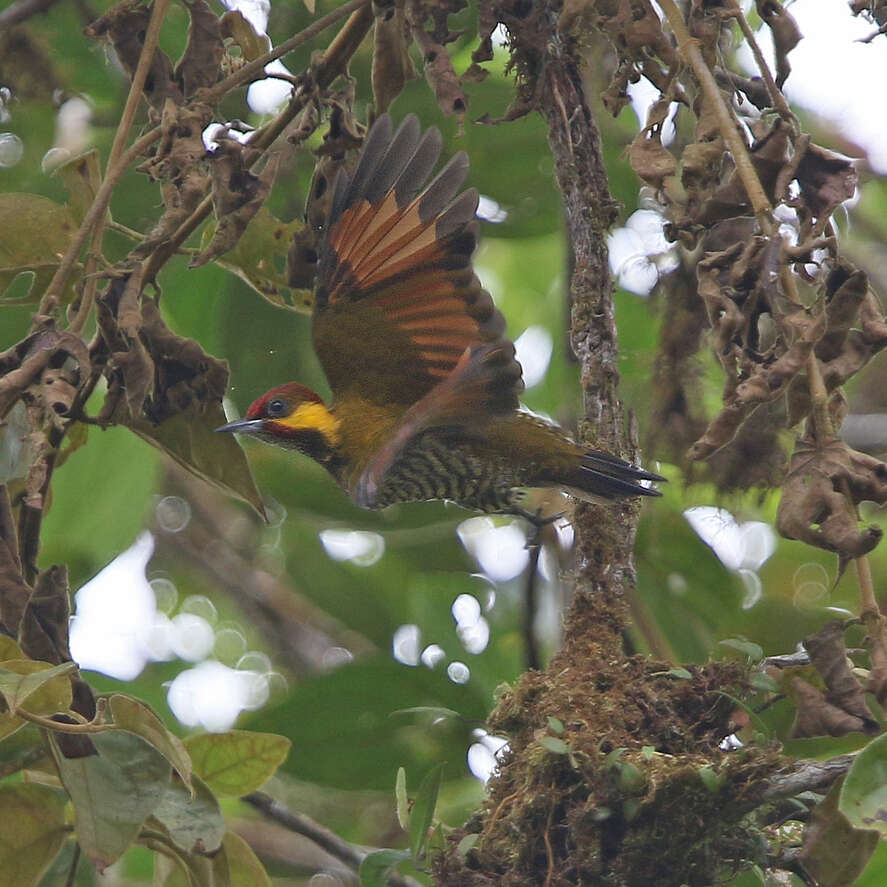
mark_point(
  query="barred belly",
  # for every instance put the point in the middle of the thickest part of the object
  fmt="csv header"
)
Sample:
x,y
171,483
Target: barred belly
x,y
432,468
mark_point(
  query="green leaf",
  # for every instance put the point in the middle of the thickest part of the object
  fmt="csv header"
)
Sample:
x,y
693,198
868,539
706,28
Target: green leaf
x,y
680,673
754,651
82,176
259,259
43,230
32,831
171,871
189,438
194,822
863,797
113,792
423,810
630,777
835,853
556,725
237,762
376,867
555,745
401,800
137,717
9,649
244,867
711,780
760,680
463,848
45,687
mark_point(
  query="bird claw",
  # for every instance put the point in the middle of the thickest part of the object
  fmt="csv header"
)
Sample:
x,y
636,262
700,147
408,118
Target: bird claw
x,y
536,521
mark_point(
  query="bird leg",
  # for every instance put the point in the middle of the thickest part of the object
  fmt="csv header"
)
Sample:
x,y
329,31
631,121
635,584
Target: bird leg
x,y
536,521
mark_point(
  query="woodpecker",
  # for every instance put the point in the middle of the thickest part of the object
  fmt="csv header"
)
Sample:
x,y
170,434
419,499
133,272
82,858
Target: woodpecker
x,y
425,384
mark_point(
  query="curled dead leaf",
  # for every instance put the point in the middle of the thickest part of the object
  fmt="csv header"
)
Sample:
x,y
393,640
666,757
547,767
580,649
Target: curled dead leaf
x,y
392,65
237,196
124,26
200,64
815,716
828,654
25,363
813,507
786,34
14,591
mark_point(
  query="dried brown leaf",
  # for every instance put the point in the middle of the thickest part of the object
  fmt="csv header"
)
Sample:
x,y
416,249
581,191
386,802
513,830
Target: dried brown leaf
x,y
826,179
650,160
124,26
441,76
834,852
828,655
24,364
877,679
845,289
786,34
14,591
815,716
237,196
43,633
235,25
813,508
200,64
392,65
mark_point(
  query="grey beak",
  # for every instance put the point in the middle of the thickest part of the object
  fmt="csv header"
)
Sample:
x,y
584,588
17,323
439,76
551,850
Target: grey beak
x,y
242,426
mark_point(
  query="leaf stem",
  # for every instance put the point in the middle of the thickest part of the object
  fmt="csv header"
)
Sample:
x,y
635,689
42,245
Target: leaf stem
x,y
335,61
75,862
59,726
152,37
102,198
775,93
303,825
689,49
255,69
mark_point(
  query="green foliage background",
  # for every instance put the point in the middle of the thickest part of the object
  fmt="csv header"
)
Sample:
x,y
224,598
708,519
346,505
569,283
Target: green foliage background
x,y
347,744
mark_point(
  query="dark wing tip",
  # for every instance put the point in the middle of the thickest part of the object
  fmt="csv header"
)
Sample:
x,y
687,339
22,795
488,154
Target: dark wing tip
x,y
609,476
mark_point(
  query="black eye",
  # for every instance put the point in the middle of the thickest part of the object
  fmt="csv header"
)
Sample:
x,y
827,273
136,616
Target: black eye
x,y
276,407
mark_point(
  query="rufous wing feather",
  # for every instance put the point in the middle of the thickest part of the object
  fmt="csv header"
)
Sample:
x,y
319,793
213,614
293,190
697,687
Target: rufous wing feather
x,y
395,267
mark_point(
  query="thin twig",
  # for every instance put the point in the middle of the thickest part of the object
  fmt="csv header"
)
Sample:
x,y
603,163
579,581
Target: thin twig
x,y
95,211
532,659
689,48
303,825
75,861
549,853
776,97
139,78
255,70
22,11
334,62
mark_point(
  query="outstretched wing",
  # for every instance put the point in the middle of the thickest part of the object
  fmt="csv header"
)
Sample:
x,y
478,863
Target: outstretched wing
x,y
398,305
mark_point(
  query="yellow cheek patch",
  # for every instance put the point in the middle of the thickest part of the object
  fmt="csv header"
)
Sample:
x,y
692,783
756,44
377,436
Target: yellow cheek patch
x,y
313,417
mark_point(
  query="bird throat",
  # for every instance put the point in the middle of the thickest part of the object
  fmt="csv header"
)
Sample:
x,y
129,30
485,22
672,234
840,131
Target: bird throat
x,y
311,428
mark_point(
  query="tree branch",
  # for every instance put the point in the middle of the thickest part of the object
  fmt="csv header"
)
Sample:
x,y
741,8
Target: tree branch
x,y
351,855
807,776
604,534
23,10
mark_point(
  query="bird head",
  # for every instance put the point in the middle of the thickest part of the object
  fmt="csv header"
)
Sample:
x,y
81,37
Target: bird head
x,y
291,416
